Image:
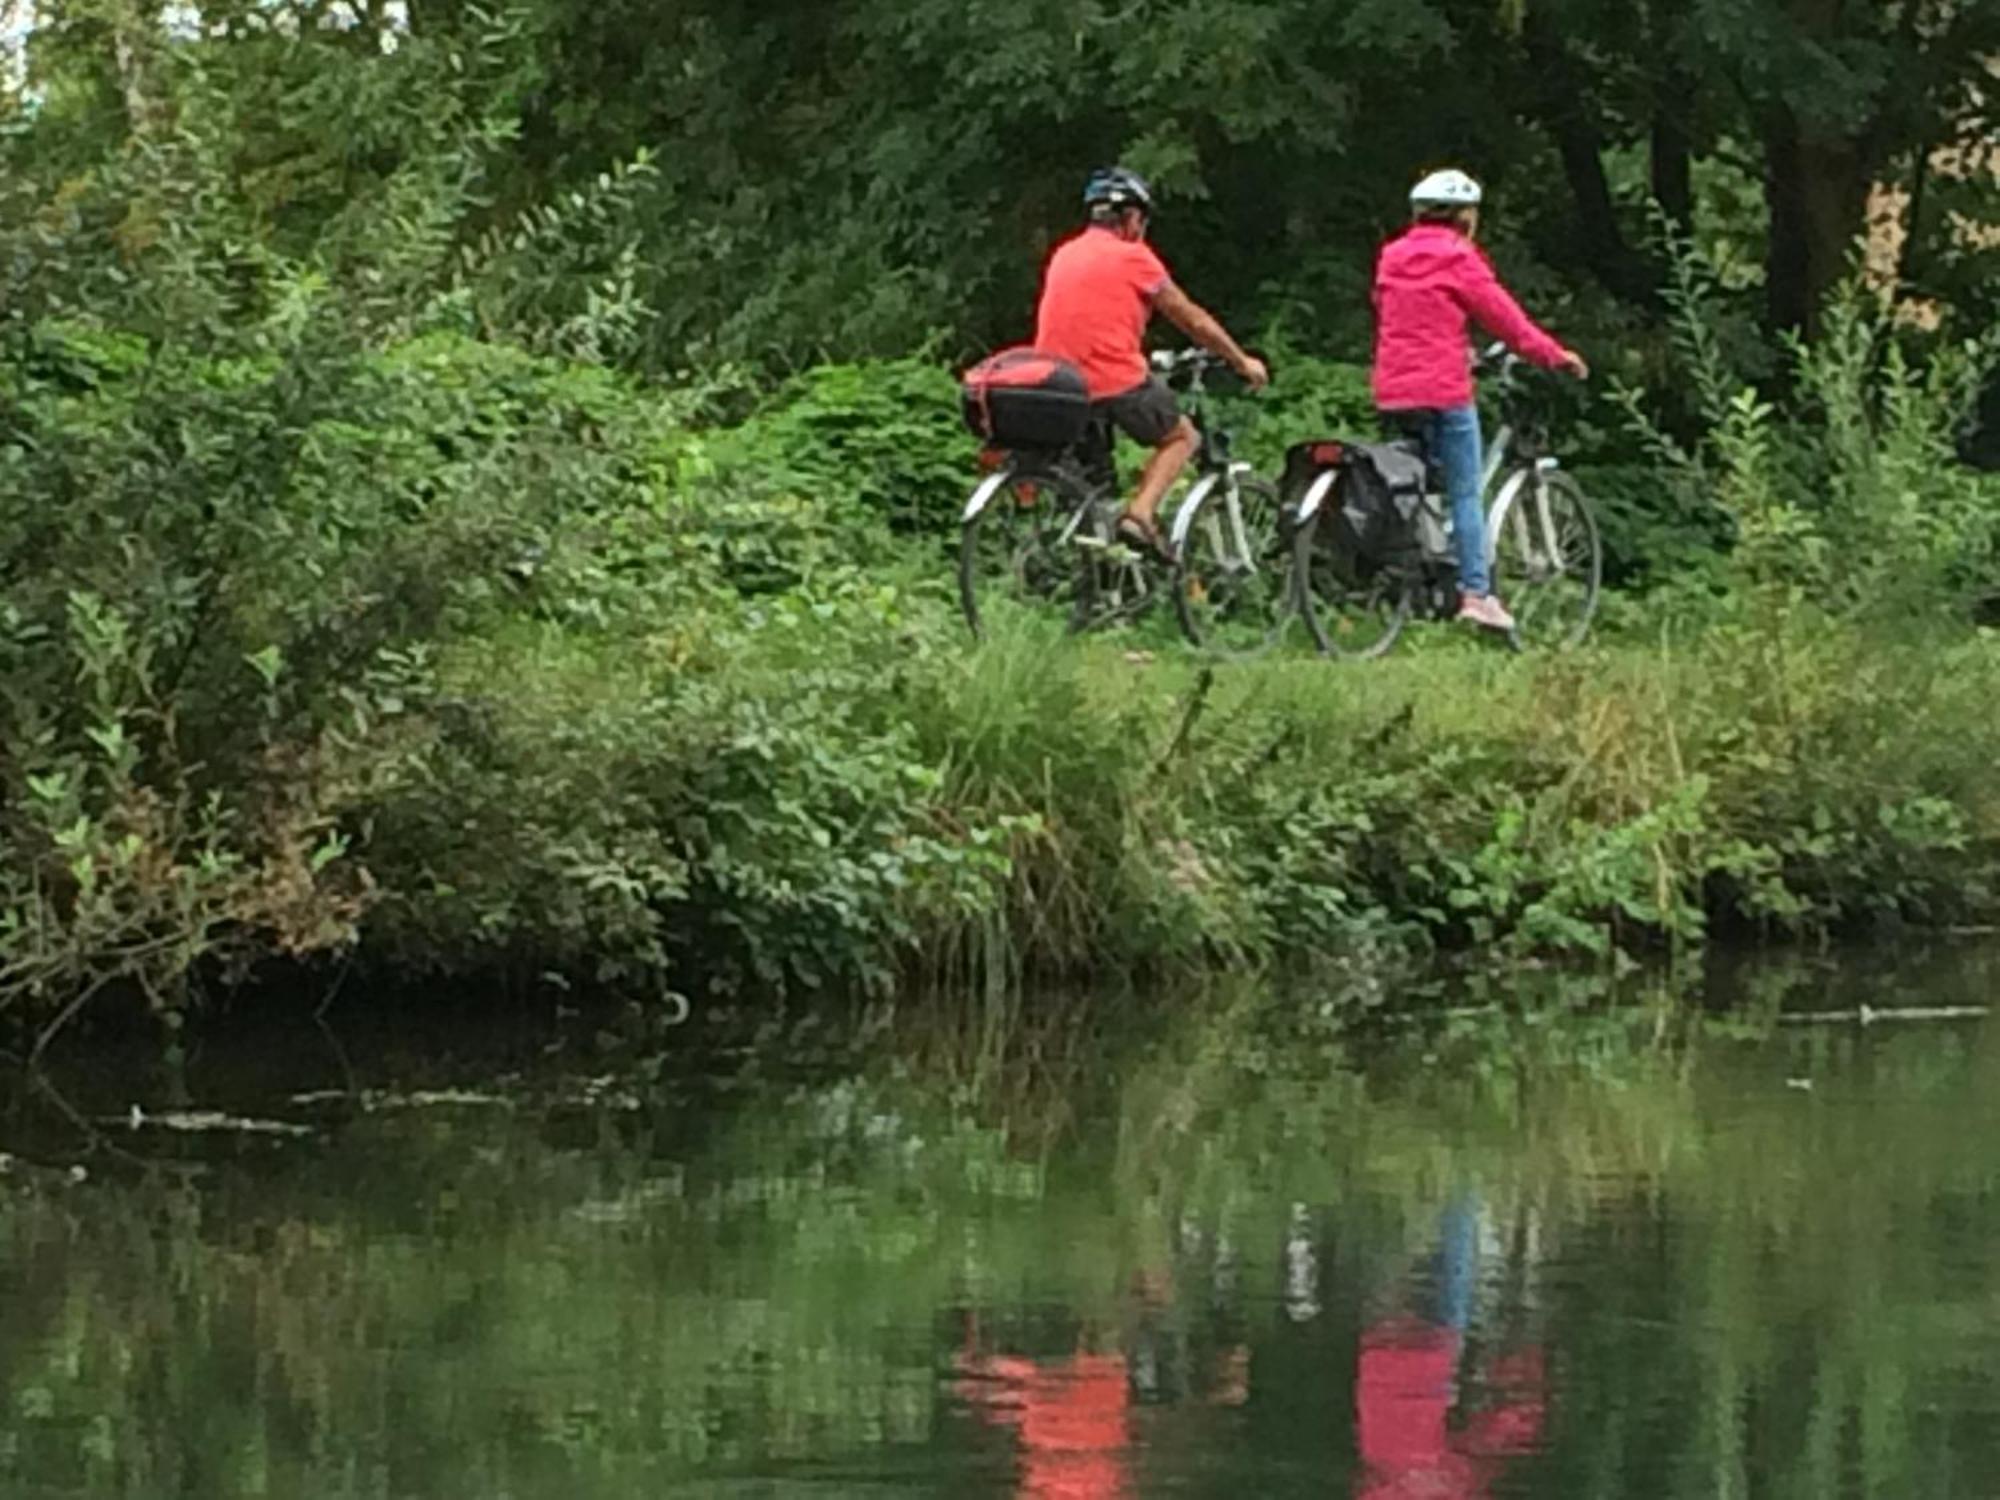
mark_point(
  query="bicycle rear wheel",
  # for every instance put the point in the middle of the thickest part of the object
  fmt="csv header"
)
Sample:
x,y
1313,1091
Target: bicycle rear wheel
x,y
1350,608
1548,563
1233,586
1017,550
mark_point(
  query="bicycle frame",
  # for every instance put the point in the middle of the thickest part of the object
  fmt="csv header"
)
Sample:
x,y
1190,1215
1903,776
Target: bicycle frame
x,y
1503,513
1191,507
1215,470
1080,473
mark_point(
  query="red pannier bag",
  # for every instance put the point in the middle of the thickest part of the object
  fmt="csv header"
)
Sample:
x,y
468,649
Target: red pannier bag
x,y
1023,398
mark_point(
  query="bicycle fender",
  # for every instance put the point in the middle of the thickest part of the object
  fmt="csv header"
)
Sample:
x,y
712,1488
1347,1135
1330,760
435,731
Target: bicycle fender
x,y
1503,503
1184,517
983,496
1315,495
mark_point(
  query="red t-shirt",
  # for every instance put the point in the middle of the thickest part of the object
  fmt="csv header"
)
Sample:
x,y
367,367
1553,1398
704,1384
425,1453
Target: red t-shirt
x,y
1096,298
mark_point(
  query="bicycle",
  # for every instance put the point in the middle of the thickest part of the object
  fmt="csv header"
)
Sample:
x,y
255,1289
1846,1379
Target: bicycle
x,y
1232,590
1041,527
1541,539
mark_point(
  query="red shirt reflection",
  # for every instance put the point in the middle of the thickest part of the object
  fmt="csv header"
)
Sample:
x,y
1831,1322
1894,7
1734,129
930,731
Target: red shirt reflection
x,y
1072,1415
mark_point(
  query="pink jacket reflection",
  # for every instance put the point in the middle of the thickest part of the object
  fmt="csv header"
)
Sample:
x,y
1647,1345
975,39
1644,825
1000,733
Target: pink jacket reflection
x,y
1404,1392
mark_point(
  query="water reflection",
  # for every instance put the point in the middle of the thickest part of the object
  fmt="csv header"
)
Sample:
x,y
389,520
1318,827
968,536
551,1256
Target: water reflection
x,y
1588,1258
1414,1370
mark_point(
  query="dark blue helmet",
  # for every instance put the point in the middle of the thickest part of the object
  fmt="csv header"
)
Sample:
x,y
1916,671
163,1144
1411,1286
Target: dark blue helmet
x,y
1116,188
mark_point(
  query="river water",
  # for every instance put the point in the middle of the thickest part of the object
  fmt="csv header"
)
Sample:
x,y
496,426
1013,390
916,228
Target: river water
x,y
1579,1250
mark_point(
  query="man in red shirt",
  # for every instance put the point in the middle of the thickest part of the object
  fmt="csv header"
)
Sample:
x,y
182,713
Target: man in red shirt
x,y
1101,288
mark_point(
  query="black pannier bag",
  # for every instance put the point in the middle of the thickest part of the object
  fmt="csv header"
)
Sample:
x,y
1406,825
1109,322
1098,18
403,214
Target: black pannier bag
x,y
1023,398
1378,501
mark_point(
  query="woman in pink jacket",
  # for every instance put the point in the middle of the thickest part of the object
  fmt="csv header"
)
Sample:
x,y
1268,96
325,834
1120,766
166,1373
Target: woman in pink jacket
x,y
1429,281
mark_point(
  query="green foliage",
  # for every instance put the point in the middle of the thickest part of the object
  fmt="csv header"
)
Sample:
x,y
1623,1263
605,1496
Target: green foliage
x,y
1845,490
1310,398
362,598
884,436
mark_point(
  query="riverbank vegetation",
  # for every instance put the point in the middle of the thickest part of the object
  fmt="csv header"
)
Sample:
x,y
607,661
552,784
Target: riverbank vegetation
x,y
410,562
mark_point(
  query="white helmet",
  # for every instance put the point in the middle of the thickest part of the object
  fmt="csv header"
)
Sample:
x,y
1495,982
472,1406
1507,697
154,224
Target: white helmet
x,y
1450,188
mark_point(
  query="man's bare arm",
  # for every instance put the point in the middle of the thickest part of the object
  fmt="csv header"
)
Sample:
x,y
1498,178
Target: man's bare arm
x,y
1199,324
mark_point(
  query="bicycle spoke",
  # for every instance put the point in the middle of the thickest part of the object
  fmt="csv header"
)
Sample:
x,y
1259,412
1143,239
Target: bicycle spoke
x,y
1015,553
1350,607
1233,588
1548,562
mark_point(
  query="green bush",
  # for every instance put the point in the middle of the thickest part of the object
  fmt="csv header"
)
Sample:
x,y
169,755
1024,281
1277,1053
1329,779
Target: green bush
x,y
331,628
882,437
1845,488
1308,397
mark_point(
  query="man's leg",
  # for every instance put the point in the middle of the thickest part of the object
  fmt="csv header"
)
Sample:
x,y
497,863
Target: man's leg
x,y
1169,457
1149,414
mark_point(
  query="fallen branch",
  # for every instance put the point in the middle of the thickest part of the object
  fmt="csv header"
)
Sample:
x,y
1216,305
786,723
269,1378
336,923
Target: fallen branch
x,y
1868,1015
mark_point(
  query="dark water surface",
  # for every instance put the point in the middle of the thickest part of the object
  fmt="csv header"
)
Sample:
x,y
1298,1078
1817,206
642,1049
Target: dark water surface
x,y
1593,1255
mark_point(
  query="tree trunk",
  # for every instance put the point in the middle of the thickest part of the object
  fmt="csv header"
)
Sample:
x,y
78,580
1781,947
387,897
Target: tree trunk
x,y
135,43
1673,150
1560,102
1674,67
1817,192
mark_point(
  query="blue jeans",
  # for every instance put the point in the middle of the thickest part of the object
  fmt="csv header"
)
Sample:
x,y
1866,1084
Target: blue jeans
x,y
1458,449
1458,1261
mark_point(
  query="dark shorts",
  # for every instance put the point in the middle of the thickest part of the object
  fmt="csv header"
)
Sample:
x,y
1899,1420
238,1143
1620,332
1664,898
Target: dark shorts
x,y
1145,414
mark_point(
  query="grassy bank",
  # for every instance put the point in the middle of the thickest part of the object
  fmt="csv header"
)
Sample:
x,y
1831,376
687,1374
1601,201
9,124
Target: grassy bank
x,y
852,796
453,661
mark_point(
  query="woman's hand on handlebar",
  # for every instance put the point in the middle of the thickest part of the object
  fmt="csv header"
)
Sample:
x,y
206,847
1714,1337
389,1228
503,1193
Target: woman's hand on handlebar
x,y
1575,364
1256,374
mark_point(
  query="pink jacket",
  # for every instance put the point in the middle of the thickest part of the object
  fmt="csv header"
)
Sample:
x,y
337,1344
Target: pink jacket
x,y
1428,281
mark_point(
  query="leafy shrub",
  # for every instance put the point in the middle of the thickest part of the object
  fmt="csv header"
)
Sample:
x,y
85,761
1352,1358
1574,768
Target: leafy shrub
x,y
883,436
1847,490
1309,397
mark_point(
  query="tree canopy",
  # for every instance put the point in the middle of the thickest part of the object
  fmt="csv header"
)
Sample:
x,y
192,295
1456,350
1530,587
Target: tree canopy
x,y
775,180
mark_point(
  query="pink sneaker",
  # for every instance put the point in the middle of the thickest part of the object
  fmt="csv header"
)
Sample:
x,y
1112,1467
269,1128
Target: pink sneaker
x,y
1485,610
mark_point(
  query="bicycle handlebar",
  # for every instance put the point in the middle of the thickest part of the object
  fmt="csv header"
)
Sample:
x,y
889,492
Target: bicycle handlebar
x,y
1496,358
1173,361
1186,370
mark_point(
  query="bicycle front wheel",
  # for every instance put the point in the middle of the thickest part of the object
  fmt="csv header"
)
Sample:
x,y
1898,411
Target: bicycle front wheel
x,y
1015,550
1350,608
1548,563
1233,588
